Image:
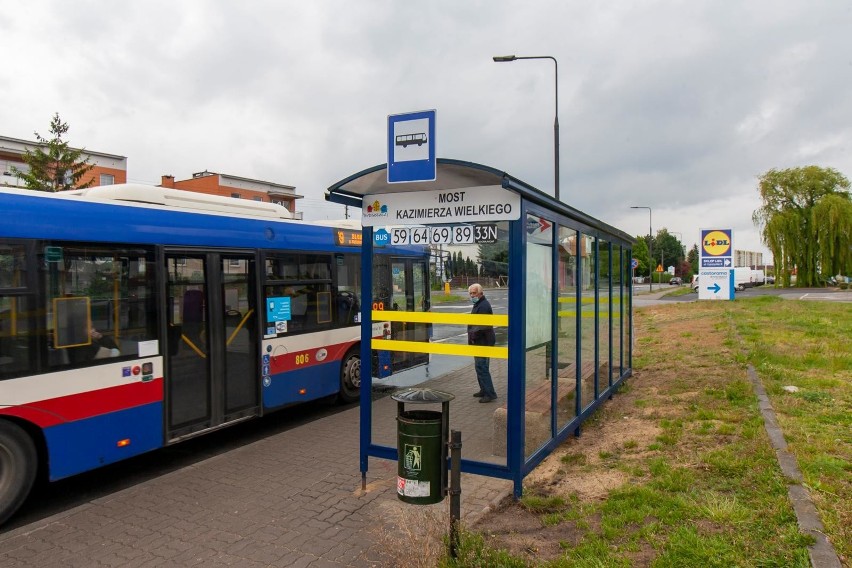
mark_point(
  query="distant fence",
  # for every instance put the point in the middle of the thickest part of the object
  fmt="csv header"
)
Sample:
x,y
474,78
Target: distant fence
x,y
464,282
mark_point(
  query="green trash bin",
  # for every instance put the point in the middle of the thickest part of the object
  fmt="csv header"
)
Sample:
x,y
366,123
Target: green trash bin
x,y
422,447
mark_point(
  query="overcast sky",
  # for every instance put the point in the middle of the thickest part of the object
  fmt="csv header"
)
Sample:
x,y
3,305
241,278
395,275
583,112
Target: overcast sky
x,y
674,105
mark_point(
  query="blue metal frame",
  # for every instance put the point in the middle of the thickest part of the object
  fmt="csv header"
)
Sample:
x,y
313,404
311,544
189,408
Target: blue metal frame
x,y
515,423
366,355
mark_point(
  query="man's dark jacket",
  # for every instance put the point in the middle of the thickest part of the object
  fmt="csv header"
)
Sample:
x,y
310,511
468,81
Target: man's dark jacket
x,y
481,334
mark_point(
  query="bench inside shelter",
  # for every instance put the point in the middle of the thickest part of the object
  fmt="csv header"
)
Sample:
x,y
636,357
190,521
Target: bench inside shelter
x,y
537,406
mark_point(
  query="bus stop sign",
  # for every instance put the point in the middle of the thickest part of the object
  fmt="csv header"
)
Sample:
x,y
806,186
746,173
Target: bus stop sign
x,y
411,147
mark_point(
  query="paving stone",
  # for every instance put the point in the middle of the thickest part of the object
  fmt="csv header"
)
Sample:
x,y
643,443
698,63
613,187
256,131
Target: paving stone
x,y
291,499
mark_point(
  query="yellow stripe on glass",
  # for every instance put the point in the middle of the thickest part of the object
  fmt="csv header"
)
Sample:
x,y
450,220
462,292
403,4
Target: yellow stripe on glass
x,y
587,300
441,348
497,320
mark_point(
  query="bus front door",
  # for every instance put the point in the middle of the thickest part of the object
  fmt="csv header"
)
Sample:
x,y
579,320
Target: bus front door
x,y
211,370
409,293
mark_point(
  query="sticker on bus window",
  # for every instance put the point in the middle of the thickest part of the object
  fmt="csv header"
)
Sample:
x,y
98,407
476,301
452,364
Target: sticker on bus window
x,y
148,348
281,327
277,309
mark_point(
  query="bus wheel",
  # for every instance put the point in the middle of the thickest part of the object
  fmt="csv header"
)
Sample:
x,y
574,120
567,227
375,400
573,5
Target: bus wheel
x,y
350,377
17,468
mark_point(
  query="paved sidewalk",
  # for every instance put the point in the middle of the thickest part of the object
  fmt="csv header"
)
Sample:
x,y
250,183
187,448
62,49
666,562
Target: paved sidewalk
x,y
292,499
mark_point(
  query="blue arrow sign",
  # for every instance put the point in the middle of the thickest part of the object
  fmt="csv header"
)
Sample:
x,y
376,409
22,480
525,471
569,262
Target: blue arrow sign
x,y
714,288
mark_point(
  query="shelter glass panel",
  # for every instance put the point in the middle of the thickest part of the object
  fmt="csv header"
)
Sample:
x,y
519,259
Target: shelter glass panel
x,y
405,285
627,304
567,312
587,320
539,341
605,308
617,310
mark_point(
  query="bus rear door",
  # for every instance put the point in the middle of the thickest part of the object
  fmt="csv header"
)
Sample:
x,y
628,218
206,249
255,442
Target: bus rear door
x,y
212,357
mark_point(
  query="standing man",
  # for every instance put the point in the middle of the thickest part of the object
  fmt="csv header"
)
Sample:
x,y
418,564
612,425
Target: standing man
x,y
481,335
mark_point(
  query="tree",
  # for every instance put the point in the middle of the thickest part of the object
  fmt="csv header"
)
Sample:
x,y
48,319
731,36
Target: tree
x,y
494,259
53,164
670,247
692,258
806,221
640,253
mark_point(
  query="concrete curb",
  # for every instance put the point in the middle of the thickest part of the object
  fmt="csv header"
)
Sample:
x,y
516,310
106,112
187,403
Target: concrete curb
x,y
822,552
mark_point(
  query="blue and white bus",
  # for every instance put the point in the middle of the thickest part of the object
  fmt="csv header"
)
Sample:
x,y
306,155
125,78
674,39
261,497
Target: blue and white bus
x,y
134,317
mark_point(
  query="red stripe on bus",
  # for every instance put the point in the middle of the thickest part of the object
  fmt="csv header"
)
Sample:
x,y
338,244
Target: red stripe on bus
x,y
72,407
307,358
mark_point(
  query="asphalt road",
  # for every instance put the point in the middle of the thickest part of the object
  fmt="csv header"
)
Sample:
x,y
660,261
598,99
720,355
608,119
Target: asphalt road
x,y
643,298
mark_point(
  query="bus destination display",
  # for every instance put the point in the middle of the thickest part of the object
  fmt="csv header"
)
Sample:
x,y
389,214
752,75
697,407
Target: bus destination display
x,y
347,238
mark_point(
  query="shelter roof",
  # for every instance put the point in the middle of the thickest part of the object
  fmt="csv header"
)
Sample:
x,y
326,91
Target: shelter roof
x,y
456,174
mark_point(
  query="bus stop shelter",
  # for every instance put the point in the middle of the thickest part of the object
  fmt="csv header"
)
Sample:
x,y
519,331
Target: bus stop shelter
x,y
565,340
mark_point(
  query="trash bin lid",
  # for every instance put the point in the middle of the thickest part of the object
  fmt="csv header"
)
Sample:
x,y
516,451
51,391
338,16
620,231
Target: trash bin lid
x,y
422,396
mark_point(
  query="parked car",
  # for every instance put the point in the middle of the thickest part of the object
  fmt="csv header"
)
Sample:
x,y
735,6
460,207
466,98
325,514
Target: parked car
x,y
695,283
676,281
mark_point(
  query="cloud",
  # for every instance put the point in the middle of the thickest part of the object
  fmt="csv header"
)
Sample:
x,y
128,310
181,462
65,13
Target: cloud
x,y
674,105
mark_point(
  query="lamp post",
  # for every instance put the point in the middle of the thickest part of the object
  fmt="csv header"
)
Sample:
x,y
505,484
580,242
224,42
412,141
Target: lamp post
x,y
650,248
508,58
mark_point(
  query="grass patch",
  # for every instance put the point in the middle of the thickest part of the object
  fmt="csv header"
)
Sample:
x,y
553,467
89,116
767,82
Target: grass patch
x,y
701,486
441,298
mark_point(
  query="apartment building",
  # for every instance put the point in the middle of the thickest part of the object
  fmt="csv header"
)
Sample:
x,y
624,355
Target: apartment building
x,y
748,258
108,169
227,185
111,169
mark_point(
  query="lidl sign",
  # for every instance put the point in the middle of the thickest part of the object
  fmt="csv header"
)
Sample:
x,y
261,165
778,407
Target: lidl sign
x,y
716,242
716,266
717,248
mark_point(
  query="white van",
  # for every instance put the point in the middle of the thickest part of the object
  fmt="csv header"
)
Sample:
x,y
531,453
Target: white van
x,y
743,278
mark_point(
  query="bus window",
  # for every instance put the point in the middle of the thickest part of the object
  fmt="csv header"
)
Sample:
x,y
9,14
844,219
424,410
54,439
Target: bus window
x,y
15,340
348,289
298,267
303,295
399,290
71,322
99,303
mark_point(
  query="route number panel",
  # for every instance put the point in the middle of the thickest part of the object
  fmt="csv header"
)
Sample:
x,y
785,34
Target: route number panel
x,y
483,233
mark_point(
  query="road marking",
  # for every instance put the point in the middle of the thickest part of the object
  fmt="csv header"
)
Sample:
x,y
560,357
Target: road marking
x,y
802,297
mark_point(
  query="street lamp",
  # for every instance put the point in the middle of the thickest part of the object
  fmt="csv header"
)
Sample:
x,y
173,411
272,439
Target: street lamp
x,y
508,58
650,248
